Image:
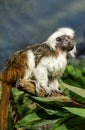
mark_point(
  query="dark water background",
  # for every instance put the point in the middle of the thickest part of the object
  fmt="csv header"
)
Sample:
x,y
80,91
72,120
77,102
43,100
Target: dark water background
x,y
24,22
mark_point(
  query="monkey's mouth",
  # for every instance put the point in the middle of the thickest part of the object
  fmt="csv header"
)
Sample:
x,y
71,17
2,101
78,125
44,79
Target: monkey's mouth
x,y
70,47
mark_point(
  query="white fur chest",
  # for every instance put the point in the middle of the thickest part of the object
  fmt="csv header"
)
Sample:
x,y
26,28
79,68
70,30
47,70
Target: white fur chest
x,y
54,66
57,65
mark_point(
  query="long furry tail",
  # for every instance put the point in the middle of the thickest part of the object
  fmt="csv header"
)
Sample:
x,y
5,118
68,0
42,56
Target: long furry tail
x,y
4,105
6,98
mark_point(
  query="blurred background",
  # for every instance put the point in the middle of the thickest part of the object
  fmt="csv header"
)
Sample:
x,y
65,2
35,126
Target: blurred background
x,y
25,22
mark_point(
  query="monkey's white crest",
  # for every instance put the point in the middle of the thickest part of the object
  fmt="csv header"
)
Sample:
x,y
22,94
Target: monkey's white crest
x,y
51,41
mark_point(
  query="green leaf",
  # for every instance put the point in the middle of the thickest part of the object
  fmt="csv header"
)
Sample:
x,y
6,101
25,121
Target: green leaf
x,y
74,76
70,123
28,120
76,111
36,119
52,102
76,90
61,127
61,121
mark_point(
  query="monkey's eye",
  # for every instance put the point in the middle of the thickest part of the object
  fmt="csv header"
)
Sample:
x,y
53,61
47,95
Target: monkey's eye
x,y
58,39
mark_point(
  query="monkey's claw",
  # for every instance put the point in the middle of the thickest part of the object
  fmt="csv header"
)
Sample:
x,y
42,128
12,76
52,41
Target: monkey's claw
x,y
18,83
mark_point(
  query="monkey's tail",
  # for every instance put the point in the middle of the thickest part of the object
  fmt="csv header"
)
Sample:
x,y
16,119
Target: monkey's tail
x,y
6,88
6,99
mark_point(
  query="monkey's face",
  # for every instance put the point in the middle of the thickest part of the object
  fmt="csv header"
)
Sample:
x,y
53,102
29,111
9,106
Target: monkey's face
x,y
64,42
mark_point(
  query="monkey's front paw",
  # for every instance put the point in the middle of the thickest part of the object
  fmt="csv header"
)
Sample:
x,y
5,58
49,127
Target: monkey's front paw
x,y
20,83
36,84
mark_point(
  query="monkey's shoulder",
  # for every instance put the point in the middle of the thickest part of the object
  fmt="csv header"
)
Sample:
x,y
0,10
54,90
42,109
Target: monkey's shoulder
x,y
20,58
39,51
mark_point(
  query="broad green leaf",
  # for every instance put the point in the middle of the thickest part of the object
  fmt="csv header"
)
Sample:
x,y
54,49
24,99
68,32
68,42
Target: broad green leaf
x,y
70,123
60,122
35,119
61,127
51,114
52,102
76,90
28,120
74,76
76,111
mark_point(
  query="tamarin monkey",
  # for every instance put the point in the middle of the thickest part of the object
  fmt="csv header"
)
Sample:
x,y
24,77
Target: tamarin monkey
x,y
46,62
